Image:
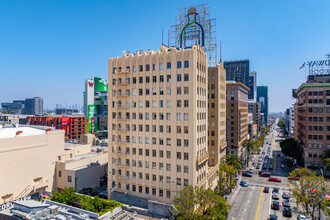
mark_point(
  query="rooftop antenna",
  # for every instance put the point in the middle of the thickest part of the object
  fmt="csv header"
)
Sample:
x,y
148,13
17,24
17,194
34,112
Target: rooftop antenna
x,y
162,35
220,53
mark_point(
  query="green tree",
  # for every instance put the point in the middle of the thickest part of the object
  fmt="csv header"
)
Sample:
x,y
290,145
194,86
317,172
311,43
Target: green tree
x,y
290,147
226,174
326,159
281,124
199,203
67,196
233,160
309,190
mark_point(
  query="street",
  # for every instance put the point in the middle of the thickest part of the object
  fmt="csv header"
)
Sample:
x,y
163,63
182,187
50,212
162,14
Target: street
x,y
251,202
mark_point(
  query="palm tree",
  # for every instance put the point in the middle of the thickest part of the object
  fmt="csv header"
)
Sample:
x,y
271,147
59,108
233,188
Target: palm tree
x,y
326,159
234,161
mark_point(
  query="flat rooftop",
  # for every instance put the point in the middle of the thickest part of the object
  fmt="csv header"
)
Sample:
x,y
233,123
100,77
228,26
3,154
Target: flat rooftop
x,y
8,132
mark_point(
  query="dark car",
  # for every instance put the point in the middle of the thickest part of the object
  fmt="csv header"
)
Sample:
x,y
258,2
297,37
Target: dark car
x,y
264,166
276,205
266,189
285,195
286,203
287,212
247,174
258,167
272,217
276,189
265,174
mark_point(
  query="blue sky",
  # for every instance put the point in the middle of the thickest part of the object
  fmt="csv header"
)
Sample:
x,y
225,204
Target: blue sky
x,y
48,48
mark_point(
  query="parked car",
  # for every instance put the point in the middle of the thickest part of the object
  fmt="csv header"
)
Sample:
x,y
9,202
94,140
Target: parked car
x,y
266,189
244,184
275,196
276,190
270,167
265,174
258,166
301,217
287,212
286,203
272,179
285,195
294,178
247,174
276,205
272,217
264,166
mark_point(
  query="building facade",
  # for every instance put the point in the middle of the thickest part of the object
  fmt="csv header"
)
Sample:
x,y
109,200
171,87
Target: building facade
x,y
289,120
96,107
34,106
239,71
157,124
10,119
15,107
252,86
312,121
254,108
262,98
73,125
27,159
237,118
216,115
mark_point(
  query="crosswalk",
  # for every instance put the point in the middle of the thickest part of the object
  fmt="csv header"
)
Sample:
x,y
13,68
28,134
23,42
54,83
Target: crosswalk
x,y
270,186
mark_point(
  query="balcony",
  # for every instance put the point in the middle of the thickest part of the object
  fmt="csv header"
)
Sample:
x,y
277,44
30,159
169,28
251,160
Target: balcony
x,y
123,141
121,177
122,95
123,118
123,71
202,159
123,129
120,153
122,106
123,83
122,165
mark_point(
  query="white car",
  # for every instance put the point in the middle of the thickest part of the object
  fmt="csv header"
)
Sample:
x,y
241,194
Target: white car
x,y
252,168
301,217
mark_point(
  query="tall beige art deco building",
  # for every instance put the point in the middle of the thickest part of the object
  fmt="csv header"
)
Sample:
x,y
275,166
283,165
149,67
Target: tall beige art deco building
x,y
216,114
158,121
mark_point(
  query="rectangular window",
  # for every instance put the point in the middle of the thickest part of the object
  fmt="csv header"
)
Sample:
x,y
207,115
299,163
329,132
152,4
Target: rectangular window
x,y
186,90
154,67
168,78
161,66
179,77
134,69
168,91
168,103
178,90
147,67
186,64
140,68
69,179
168,65
186,77
186,116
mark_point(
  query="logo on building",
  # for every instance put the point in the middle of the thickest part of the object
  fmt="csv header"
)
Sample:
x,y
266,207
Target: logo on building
x,y
91,84
193,32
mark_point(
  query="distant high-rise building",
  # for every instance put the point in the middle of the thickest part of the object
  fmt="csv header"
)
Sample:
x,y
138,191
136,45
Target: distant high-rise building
x,y
252,85
239,71
262,98
34,106
16,107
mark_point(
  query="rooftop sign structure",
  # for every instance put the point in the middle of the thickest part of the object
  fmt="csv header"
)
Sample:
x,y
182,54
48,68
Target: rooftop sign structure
x,y
193,26
318,67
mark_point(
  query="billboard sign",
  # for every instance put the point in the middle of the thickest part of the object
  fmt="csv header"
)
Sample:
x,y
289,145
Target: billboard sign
x,y
254,129
318,66
100,85
193,32
92,119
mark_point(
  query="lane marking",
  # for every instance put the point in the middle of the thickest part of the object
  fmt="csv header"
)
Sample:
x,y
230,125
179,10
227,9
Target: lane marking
x,y
258,205
270,203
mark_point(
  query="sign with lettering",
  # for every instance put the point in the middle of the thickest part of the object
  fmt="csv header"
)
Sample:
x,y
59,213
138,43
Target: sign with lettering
x,y
318,66
9,205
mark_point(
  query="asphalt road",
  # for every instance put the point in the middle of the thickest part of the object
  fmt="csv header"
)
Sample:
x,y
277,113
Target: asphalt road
x,y
250,202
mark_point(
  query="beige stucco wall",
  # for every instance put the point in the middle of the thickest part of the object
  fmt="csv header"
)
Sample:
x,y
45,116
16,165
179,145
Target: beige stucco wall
x,y
87,170
28,163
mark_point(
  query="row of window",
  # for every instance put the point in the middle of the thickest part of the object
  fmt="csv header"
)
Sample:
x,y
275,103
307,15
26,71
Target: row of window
x,y
317,128
318,119
154,91
318,93
147,128
153,140
317,137
315,101
147,104
153,166
127,80
154,67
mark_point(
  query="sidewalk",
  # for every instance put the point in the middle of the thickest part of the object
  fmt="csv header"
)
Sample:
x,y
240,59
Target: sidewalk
x,y
231,197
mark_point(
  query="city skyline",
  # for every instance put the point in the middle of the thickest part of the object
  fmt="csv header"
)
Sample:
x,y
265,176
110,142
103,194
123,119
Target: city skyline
x,y
57,45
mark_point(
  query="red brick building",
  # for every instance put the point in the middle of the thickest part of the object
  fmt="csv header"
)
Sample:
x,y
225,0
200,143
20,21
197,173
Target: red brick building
x,y
73,125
